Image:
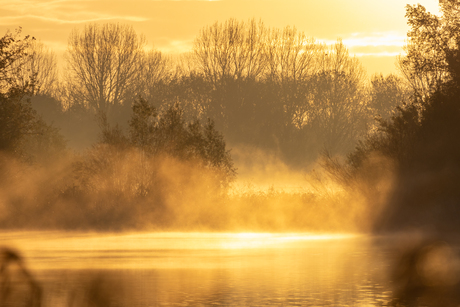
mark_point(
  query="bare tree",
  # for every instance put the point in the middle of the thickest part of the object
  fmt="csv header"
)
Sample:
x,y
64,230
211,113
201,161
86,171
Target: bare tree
x,y
40,66
104,62
156,68
339,98
231,50
292,58
250,50
291,55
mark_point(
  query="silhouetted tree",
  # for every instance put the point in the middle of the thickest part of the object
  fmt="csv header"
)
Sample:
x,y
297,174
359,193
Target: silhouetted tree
x,y
22,132
41,66
167,133
156,70
13,55
16,120
142,123
334,106
340,114
103,64
291,55
16,115
434,44
387,92
431,41
231,49
421,137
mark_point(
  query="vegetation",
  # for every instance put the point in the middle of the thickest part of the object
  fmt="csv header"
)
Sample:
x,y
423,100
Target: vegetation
x,y
420,138
151,154
94,189
150,132
104,61
23,134
280,90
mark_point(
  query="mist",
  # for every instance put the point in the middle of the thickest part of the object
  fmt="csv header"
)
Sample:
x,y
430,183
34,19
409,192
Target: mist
x,y
283,138
258,134
131,192
184,142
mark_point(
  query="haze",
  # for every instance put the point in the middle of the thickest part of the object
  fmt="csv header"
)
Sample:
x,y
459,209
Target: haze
x,y
229,153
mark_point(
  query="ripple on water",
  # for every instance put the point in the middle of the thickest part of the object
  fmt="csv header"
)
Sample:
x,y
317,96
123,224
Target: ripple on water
x,y
174,269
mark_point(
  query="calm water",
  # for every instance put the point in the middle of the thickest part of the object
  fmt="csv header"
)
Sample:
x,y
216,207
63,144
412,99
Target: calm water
x,y
204,269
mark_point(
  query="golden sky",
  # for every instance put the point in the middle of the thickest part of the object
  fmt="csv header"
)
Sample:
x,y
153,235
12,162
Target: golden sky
x,y
374,30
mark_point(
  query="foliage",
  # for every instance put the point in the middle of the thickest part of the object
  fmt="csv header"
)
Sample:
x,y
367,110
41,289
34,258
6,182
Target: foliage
x,y
387,93
13,50
244,84
168,133
142,123
16,120
421,137
433,45
22,132
432,40
340,114
280,90
267,88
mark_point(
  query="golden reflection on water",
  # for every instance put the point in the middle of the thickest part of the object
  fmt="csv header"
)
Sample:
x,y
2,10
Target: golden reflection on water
x,y
238,269
51,240
76,250
225,269
265,240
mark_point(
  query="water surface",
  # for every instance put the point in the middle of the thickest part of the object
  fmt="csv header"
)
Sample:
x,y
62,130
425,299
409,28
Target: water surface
x,y
204,269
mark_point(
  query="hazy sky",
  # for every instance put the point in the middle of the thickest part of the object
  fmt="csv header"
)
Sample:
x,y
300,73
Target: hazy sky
x,y
373,30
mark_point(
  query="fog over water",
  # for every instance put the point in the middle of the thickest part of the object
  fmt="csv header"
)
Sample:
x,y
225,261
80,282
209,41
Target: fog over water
x,y
262,168
250,269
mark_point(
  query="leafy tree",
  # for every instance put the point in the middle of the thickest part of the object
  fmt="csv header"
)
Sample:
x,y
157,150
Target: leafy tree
x,y
434,45
387,92
16,120
421,137
189,142
22,132
16,115
156,134
13,55
432,41
142,124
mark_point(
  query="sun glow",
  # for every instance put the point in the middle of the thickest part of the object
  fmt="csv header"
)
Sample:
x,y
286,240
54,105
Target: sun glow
x,y
267,240
156,250
49,240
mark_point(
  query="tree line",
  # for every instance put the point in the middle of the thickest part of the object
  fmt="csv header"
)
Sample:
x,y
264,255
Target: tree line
x,y
130,112
124,179
274,89
419,141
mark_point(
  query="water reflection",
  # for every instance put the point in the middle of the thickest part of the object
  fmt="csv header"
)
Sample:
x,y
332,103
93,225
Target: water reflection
x,y
58,250
17,285
426,272
248,269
